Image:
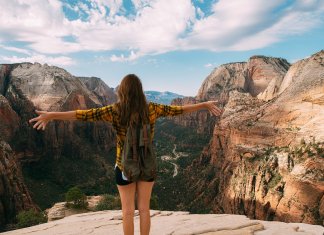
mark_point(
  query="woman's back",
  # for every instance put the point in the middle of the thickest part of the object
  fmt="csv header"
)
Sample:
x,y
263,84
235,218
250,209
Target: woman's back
x,y
110,114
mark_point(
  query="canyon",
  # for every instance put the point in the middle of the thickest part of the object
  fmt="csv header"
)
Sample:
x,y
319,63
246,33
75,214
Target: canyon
x,y
264,159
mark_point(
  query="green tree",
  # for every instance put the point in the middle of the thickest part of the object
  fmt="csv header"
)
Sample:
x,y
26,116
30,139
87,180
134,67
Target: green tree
x,y
76,198
30,218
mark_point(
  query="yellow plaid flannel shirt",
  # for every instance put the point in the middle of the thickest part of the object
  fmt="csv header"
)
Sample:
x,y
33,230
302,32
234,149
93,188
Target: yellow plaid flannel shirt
x,y
109,114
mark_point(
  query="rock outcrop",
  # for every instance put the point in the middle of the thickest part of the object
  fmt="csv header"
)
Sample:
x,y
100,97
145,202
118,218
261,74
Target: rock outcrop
x,y
60,210
266,159
168,222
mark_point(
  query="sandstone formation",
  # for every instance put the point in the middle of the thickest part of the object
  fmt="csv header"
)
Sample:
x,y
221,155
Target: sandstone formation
x,y
14,195
58,156
104,93
60,209
223,79
253,77
265,75
29,87
9,119
202,121
261,76
168,222
266,159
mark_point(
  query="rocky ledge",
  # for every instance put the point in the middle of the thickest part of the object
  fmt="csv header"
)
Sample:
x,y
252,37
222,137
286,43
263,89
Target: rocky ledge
x,y
168,222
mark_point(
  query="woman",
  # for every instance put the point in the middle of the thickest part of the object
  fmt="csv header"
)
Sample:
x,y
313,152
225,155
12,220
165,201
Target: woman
x,y
131,108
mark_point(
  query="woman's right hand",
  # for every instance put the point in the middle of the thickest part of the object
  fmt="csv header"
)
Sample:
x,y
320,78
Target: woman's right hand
x,y
41,120
213,108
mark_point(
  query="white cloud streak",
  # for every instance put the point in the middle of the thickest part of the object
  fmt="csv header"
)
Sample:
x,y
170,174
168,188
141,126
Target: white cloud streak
x,y
16,49
158,26
122,58
59,60
209,65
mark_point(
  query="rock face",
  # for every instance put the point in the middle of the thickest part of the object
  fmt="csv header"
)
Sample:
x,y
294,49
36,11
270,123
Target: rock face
x,y
223,79
266,159
253,77
261,76
104,93
200,121
9,119
168,222
59,155
33,86
265,75
14,195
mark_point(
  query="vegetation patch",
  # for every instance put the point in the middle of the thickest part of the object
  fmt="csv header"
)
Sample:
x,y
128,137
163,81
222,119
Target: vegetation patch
x,y
30,218
274,180
109,202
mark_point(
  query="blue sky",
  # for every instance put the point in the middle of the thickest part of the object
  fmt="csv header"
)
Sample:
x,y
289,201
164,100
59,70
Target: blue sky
x,y
171,44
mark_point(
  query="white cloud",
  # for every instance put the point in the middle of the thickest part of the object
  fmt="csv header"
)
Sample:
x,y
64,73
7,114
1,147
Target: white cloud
x,y
208,65
141,3
16,49
158,26
59,61
200,13
122,58
251,24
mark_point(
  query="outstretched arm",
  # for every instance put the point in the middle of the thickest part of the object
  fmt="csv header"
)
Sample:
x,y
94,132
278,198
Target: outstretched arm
x,y
209,105
95,114
44,117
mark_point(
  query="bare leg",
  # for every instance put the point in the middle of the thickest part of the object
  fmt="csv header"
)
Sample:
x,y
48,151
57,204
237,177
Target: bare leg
x,y
144,190
127,197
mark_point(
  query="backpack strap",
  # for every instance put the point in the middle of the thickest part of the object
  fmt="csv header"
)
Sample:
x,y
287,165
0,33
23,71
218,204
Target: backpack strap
x,y
145,139
134,140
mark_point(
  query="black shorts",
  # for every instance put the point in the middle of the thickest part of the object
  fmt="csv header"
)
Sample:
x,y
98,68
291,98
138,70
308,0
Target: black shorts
x,y
120,180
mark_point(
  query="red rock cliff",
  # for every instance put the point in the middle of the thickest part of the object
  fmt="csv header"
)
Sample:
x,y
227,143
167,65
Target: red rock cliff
x,y
266,159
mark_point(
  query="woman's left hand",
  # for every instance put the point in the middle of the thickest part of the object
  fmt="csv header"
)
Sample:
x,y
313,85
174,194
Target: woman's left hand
x,y
41,120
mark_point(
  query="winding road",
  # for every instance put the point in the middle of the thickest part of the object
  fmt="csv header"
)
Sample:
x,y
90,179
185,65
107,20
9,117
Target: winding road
x,y
169,159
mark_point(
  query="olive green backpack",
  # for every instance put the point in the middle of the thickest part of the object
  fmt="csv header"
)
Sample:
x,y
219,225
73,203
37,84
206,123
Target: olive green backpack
x,y
138,155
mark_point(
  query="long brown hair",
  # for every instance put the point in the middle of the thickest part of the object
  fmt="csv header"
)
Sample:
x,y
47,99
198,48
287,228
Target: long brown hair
x,y
132,105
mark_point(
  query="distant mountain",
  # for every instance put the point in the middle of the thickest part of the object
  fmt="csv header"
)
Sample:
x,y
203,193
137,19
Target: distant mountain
x,y
161,97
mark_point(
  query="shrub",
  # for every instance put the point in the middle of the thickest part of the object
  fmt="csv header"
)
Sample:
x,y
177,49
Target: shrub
x,y
109,202
30,218
77,197
154,202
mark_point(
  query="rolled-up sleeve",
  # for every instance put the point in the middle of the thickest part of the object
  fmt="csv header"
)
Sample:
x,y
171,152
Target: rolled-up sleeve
x,y
96,114
163,110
